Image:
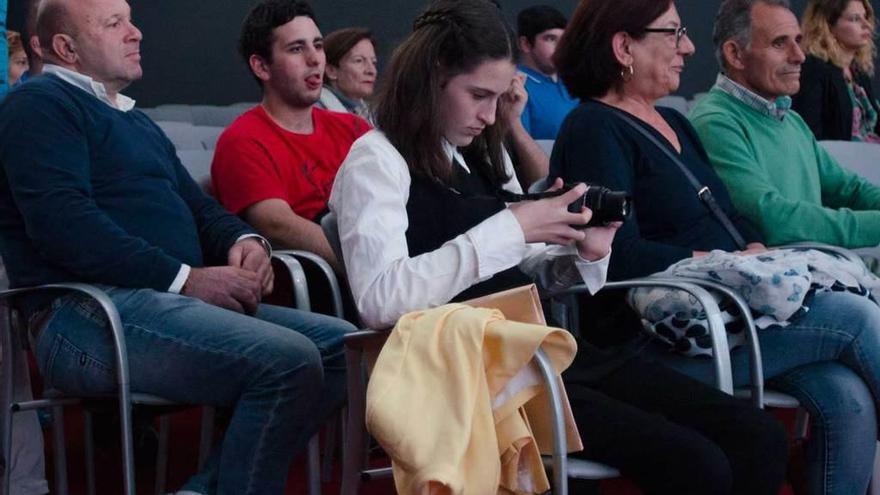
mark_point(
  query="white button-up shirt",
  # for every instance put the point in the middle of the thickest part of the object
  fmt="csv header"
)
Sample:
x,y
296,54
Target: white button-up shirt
x,y
369,198
90,86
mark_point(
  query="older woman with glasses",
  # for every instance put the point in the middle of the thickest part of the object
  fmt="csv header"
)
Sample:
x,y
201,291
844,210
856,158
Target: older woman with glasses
x,y
620,57
836,98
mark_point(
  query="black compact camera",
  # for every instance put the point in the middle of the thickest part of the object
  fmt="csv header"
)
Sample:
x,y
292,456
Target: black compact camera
x,y
607,206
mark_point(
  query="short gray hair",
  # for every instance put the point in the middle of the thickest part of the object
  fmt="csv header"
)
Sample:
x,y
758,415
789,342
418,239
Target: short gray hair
x,y
734,22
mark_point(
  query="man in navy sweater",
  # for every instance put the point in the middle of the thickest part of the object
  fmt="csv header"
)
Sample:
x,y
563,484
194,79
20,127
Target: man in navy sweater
x,y
92,191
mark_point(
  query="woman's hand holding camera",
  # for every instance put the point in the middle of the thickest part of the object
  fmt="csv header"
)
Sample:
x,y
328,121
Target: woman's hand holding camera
x,y
549,221
597,243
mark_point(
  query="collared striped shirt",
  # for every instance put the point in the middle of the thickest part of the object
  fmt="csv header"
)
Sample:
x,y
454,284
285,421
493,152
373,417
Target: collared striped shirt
x,y
775,109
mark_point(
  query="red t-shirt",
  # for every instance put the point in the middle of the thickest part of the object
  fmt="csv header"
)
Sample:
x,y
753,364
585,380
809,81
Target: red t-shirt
x,y
256,159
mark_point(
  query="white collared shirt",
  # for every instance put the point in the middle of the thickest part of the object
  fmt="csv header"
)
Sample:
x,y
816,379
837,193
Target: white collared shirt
x,y
369,198
90,86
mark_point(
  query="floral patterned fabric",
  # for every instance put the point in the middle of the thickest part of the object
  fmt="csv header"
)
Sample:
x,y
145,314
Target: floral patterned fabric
x,y
864,115
777,285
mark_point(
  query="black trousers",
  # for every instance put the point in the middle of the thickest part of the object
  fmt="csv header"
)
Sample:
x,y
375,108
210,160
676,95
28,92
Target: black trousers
x,y
669,433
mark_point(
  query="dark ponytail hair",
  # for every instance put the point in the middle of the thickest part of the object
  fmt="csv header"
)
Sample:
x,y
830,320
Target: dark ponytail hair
x,y
449,38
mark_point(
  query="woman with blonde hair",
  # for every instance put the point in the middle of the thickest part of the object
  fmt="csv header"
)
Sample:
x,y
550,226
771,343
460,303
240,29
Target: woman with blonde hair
x,y
836,99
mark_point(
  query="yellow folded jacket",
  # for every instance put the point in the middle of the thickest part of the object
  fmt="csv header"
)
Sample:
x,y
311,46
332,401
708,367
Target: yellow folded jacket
x,y
454,400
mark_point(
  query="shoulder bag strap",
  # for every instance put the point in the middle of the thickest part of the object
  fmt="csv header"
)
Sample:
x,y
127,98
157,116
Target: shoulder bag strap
x,y
703,192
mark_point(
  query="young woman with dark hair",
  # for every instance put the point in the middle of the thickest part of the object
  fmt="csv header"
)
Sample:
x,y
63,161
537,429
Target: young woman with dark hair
x,y
422,223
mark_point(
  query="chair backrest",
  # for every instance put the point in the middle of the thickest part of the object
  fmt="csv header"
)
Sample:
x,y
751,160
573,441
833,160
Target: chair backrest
x,y
546,145
331,231
198,164
181,134
4,279
208,135
540,185
674,102
171,112
186,136
861,158
173,126
200,115
213,115
243,106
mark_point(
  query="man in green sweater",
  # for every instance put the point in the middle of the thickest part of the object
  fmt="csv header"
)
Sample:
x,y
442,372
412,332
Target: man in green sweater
x,y
779,177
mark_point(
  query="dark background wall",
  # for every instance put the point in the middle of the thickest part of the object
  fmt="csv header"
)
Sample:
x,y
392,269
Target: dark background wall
x,y
189,48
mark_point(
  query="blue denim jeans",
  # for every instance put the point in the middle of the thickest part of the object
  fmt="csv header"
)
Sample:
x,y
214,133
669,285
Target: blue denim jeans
x,y
281,372
829,359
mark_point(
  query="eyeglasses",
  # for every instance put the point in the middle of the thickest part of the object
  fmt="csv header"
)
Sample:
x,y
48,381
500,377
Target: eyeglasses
x,y
679,32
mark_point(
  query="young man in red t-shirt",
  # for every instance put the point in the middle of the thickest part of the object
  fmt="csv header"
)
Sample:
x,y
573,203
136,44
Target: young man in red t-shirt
x,y
276,163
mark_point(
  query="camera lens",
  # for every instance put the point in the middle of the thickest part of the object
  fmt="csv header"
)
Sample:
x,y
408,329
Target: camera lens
x,y
607,205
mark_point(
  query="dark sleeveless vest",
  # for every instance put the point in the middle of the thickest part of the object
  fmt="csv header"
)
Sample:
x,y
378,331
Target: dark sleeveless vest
x,y
438,214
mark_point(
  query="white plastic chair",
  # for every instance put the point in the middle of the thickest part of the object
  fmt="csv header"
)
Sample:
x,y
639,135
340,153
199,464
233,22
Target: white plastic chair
x,y
546,145
675,102
198,163
861,158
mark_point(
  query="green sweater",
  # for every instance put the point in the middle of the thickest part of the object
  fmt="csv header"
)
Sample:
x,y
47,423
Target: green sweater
x,y
782,180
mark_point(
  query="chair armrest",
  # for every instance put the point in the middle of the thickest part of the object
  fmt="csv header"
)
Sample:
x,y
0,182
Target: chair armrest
x,y
362,338
825,248
298,278
560,445
324,267
756,369
99,296
721,351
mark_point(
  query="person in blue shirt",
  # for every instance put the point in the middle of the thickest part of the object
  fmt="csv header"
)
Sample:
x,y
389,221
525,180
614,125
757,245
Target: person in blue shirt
x,y
538,30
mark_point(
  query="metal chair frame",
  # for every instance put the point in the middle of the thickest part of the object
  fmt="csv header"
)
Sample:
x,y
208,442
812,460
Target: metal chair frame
x,y
755,392
582,469
328,276
11,331
563,467
723,374
11,337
